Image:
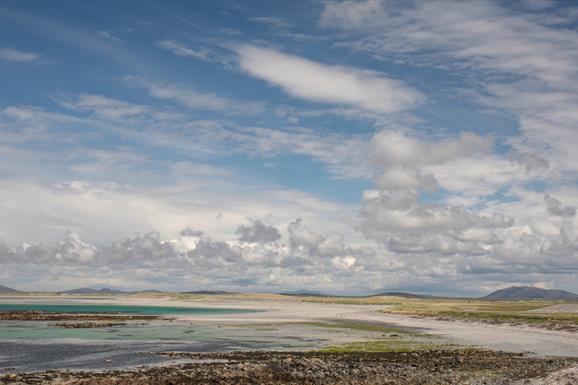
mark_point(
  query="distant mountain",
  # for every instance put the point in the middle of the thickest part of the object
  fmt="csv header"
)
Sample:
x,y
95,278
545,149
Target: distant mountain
x,y
305,293
5,289
528,292
207,292
90,290
107,290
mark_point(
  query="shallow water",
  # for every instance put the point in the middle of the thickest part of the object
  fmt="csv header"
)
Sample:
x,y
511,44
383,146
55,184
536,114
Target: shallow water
x,y
40,345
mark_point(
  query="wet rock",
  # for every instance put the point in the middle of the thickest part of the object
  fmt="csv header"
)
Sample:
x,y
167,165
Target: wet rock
x,y
311,368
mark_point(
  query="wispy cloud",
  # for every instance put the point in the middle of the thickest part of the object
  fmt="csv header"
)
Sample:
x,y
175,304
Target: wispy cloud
x,y
309,80
205,54
352,13
16,56
193,99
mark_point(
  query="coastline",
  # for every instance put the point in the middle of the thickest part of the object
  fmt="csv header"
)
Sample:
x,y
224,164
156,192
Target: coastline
x,y
510,353
515,339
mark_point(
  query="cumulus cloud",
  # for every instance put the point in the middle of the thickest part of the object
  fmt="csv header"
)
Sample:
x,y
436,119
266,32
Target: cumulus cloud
x,y
343,263
392,211
556,208
395,215
301,257
195,255
301,237
400,177
258,232
398,148
309,80
404,157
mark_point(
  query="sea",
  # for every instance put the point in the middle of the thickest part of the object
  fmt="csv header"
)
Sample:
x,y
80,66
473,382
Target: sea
x,y
28,346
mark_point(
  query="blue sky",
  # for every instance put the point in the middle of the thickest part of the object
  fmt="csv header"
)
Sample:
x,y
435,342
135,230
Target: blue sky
x,y
390,145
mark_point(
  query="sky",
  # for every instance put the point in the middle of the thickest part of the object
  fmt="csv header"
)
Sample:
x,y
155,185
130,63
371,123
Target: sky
x,y
349,147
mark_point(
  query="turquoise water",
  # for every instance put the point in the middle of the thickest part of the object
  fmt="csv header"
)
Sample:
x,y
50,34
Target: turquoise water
x,y
41,345
89,308
34,330
33,346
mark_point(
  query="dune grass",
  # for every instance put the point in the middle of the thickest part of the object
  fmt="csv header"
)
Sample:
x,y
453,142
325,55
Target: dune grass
x,y
525,312
390,346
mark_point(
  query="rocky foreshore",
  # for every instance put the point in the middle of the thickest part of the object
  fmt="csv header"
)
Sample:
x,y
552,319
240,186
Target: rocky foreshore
x,y
49,316
473,367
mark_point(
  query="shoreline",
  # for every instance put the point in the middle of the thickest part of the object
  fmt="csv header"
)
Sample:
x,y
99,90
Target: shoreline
x,y
515,339
497,354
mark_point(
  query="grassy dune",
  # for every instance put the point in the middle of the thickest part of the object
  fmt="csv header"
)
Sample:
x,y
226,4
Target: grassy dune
x,y
513,312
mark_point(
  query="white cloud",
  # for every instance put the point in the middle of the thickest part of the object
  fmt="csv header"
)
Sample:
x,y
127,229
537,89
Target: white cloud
x,y
517,61
208,55
186,169
343,263
556,208
193,99
180,49
397,148
406,158
479,175
486,222
258,232
42,213
275,22
309,80
352,13
102,106
16,56
399,177
108,35
344,156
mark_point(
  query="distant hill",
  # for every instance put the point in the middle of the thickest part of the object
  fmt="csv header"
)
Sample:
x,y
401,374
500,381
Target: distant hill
x,y
400,294
6,289
207,292
112,291
528,292
90,290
